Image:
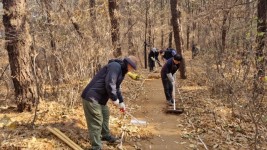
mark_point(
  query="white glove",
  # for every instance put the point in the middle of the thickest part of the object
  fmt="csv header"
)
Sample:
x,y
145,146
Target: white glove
x,y
122,107
117,102
153,58
170,77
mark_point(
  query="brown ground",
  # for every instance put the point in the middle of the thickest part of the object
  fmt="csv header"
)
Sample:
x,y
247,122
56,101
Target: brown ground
x,y
162,131
204,119
167,127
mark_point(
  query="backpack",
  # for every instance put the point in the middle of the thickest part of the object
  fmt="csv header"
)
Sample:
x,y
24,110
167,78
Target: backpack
x,y
173,51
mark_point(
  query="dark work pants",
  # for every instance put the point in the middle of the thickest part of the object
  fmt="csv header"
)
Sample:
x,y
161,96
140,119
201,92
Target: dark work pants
x,y
151,65
168,88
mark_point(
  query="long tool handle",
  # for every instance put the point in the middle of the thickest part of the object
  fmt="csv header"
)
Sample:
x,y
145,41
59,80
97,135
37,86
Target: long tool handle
x,y
133,117
173,95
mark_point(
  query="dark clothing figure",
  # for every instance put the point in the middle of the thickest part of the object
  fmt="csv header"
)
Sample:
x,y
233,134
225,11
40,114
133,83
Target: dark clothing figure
x,y
195,50
168,53
105,85
152,58
169,67
168,76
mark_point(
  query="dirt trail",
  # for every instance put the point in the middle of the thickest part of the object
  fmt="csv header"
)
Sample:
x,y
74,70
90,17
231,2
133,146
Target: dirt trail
x,y
167,133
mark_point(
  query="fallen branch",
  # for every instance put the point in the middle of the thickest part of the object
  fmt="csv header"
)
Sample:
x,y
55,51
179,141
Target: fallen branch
x,y
198,135
202,142
64,138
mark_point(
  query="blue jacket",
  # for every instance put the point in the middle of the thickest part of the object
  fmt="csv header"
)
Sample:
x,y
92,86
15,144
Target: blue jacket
x,y
106,83
169,53
169,67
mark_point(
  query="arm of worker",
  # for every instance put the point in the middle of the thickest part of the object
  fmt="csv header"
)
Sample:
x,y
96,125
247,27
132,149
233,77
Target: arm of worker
x,y
168,71
121,103
113,70
170,77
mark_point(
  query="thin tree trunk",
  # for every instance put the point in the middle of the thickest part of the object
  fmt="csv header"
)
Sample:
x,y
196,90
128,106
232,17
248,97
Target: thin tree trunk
x,y
170,40
93,18
149,29
56,74
188,26
177,33
260,39
115,35
131,50
224,31
18,42
162,23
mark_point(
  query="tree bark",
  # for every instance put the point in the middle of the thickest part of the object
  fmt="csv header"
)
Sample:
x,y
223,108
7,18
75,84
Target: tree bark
x,y
162,23
131,50
93,18
18,42
188,25
224,31
261,35
175,20
115,35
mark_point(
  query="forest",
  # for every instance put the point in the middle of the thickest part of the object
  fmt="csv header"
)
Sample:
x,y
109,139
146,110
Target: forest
x,y
51,49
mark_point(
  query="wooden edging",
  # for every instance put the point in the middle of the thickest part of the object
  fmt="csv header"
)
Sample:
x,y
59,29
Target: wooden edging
x,y
64,138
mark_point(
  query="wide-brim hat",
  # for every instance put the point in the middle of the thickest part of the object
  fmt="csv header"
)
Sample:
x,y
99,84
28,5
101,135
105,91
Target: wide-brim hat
x,y
132,60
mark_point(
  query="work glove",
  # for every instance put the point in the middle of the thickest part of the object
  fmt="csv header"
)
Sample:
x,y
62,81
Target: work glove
x,y
117,102
122,107
170,77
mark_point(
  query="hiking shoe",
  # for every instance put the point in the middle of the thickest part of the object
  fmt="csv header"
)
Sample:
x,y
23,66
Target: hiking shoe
x,y
170,103
110,139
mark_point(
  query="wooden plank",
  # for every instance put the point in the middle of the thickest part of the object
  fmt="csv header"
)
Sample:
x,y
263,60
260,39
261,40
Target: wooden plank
x,y
64,138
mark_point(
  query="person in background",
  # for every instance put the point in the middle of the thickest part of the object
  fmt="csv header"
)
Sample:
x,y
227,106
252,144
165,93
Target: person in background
x,y
105,85
153,58
168,76
167,54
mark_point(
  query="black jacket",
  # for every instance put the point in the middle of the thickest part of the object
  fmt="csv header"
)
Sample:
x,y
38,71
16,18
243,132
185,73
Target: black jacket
x,y
106,83
169,67
169,53
154,55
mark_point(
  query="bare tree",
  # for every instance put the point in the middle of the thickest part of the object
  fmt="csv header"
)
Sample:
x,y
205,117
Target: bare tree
x,y
260,39
131,49
162,23
175,20
115,35
93,17
18,43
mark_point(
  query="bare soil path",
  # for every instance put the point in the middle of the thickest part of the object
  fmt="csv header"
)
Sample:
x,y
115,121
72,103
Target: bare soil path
x,y
167,129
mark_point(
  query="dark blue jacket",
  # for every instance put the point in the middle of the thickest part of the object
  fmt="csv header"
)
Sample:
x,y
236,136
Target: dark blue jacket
x,y
106,83
169,67
169,53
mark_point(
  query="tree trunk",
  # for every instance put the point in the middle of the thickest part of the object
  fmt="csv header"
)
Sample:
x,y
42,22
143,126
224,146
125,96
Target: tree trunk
x,y
115,35
175,20
261,35
18,42
162,23
224,31
131,50
170,40
149,29
188,25
93,18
